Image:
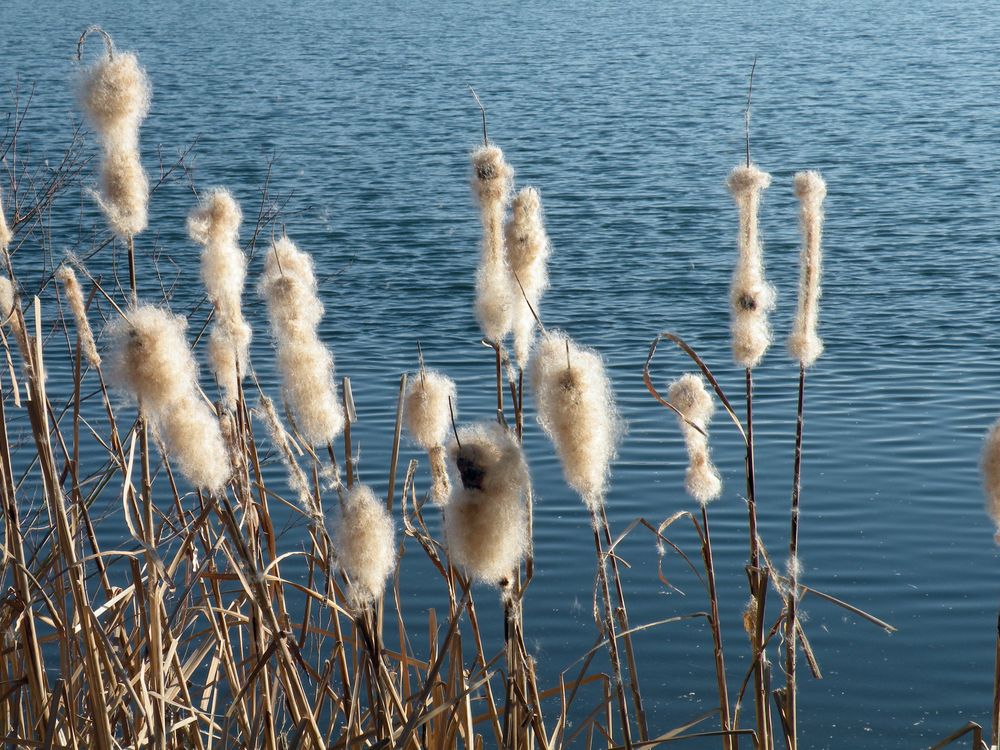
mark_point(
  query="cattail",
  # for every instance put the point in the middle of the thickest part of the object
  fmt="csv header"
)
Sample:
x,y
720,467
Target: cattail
x,y
690,397
751,297
428,418
576,408
991,475
114,95
74,295
527,252
150,358
305,364
804,343
492,183
5,234
8,298
486,519
364,543
214,225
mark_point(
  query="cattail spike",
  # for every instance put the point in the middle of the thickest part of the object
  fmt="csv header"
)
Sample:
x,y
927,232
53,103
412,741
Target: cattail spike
x,y
364,543
576,408
804,343
751,297
492,182
74,295
527,252
690,397
305,364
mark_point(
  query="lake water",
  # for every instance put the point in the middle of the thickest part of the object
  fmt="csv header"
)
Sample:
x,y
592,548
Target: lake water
x,y
628,117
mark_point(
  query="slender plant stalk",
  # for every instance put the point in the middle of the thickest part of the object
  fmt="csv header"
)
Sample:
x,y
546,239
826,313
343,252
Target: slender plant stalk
x,y
791,617
730,741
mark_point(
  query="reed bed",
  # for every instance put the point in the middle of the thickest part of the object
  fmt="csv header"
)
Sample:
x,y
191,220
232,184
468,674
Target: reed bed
x,y
193,632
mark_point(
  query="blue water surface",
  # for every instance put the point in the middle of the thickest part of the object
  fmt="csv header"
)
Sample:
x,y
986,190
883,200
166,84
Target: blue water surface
x,y
627,116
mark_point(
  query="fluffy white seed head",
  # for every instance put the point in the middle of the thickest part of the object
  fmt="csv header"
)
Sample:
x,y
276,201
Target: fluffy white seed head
x,y
8,298
151,360
486,518
428,417
364,543
991,474
296,477
576,408
804,343
74,295
492,183
689,395
751,297
528,254
305,363
114,95
214,225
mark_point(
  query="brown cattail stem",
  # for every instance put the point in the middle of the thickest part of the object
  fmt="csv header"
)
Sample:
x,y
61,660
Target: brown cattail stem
x,y
791,618
610,632
730,742
756,592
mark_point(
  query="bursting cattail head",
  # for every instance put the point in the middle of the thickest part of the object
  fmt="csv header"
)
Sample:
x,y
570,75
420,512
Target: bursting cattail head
x,y
576,408
690,397
527,252
305,363
991,475
751,297
428,415
115,93
493,177
364,544
804,343
486,518
8,298
151,360
214,224
74,295
492,183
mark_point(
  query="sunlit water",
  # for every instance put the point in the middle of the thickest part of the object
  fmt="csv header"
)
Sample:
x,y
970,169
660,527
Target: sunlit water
x,y
628,117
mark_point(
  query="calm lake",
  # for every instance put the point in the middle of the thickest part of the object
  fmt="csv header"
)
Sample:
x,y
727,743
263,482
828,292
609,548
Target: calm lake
x,y
627,117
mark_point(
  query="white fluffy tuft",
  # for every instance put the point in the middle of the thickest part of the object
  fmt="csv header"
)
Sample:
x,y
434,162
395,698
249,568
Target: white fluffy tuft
x,y
804,343
527,252
689,395
364,544
492,183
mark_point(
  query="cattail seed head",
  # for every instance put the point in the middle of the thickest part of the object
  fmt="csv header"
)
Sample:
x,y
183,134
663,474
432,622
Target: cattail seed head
x,y
306,365
528,253
751,297
492,184
74,295
151,360
690,397
8,298
804,343
486,518
114,95
576,408
214,224
428,414
991,474
364,543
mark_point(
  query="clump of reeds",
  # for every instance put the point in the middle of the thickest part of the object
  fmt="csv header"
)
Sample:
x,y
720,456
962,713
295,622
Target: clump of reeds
x,y
492,183
74,295
751,297
115,95
364,545
804,343
305,363
690,397
576,408
214,224
150,359
430,397
527,252
486,518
